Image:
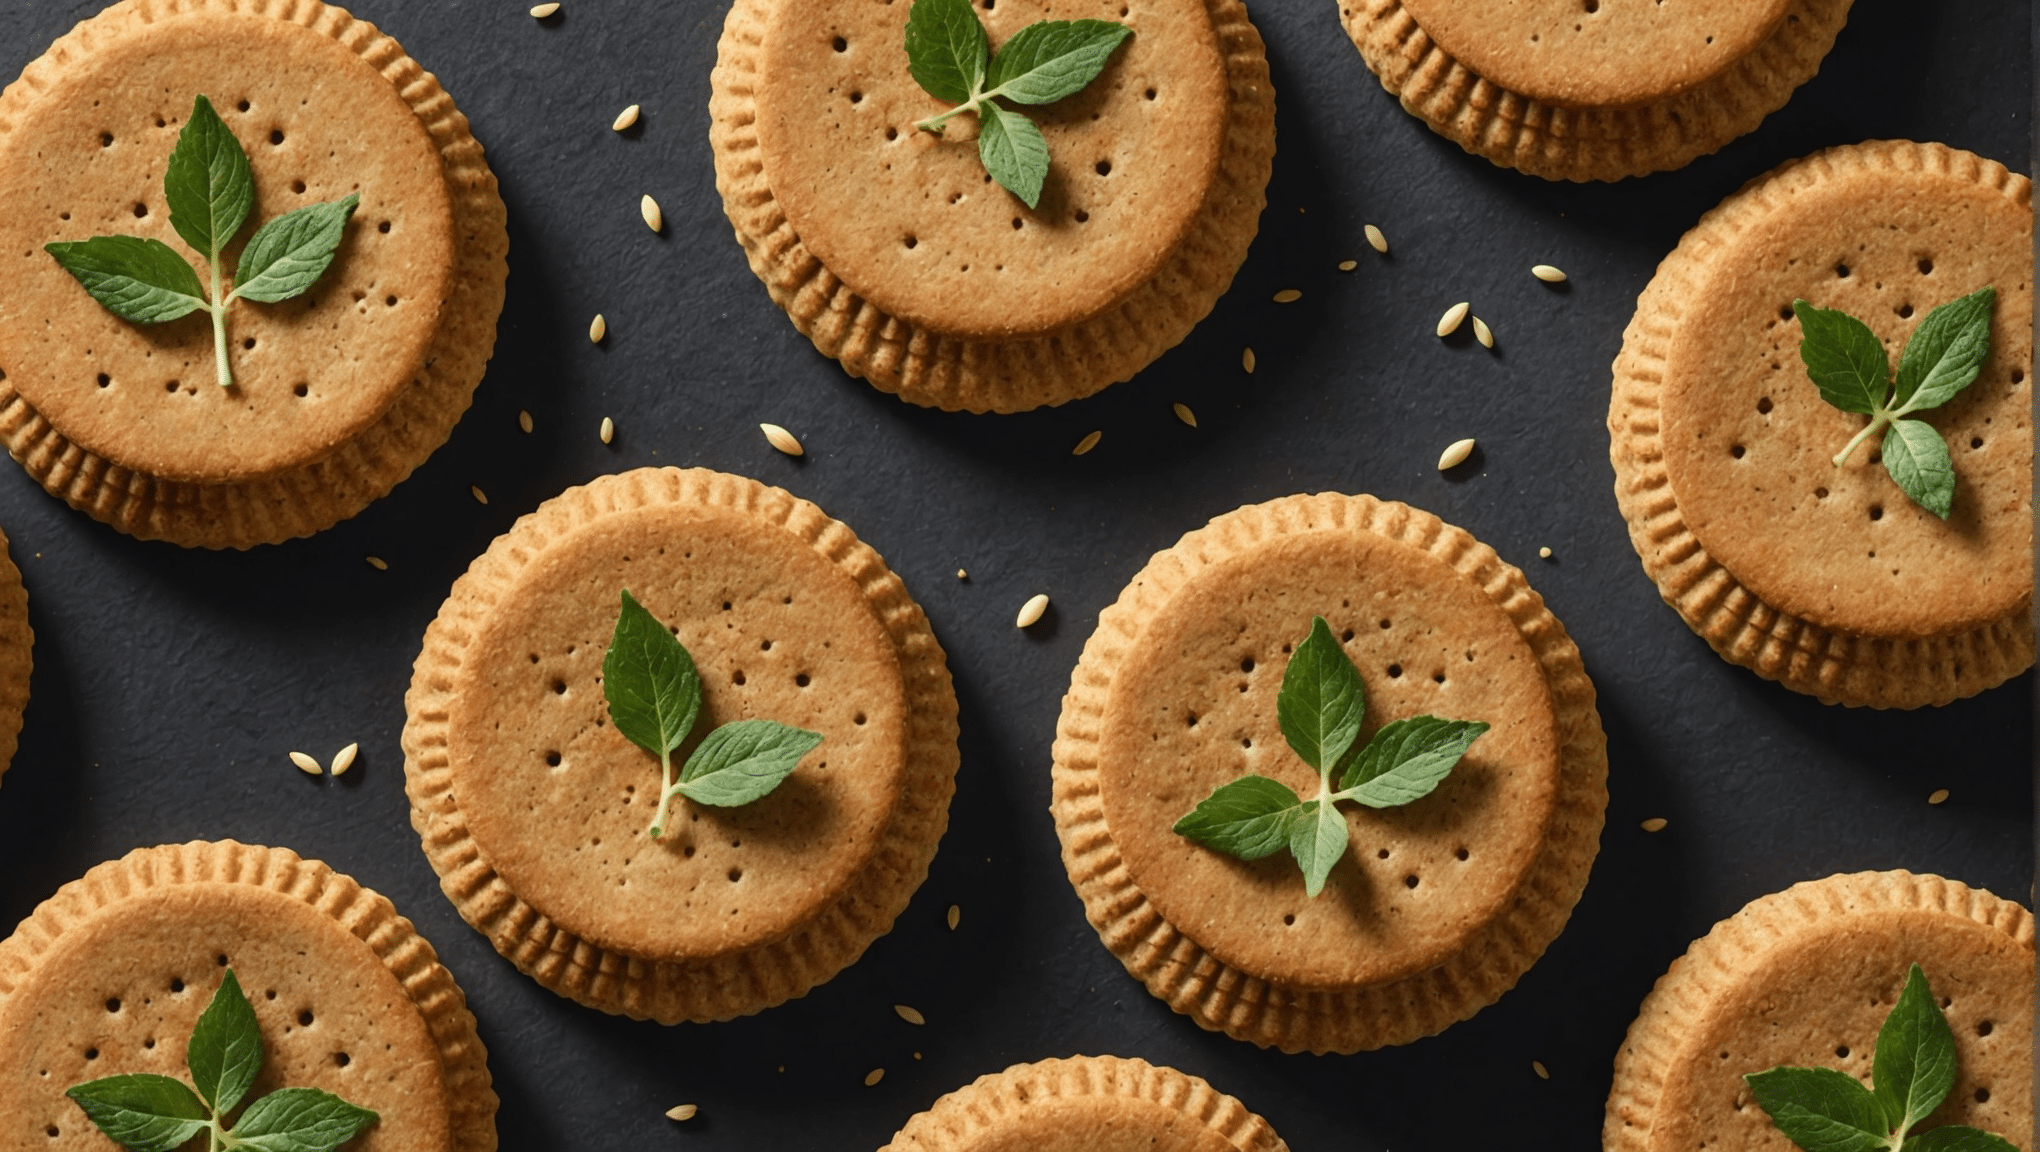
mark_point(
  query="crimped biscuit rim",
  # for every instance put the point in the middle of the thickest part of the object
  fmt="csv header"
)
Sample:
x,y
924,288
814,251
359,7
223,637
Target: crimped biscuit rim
x,y
742,982
1220,997
358,910
15,677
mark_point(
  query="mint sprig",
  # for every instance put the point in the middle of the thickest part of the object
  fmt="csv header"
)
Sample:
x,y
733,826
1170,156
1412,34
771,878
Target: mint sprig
x,y
1320,709
146,1112
952,60
1823,1110
654,695
1848,365
210,190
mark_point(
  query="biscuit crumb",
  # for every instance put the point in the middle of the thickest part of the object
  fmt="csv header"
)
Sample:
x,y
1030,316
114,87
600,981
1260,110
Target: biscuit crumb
x,y
1940,796
962,575
1544,553
1288,296
1654,824
681,1112
910,1015
1537,1066
377,563
955,914
917,1055
873,1076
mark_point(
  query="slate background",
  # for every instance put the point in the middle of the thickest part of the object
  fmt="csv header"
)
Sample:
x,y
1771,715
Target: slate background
x,y
169,684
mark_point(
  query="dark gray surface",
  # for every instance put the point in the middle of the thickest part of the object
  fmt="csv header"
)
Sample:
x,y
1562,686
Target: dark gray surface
x,y
169,684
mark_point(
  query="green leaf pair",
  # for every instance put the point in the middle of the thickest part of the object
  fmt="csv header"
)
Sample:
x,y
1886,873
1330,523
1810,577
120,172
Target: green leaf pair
x,y
952,60
210,190
1320,709
654,696
150,1113
1824,1110
1848,365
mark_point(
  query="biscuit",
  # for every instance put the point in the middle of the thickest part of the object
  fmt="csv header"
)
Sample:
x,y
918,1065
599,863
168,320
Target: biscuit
x,y
340,392
1441,905
1806,977
17,654
108,976
1095,1103
1621,88
788,617
891,249
1804,572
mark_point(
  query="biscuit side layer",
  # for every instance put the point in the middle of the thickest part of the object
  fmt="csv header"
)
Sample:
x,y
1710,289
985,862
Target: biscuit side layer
x,y
17,655
362,912
1222,998
319,494
726,986
1832,666
1582,144
953,373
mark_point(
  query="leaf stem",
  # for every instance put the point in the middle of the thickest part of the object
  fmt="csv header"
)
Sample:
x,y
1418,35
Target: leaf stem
x,y
934,123
666,791
1877,423
219,326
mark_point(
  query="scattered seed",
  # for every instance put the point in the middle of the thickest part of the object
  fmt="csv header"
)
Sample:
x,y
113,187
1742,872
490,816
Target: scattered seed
x,y
1376,240
1940,796
1030,612
1247,360
1348,265
1087,443
1548,274
597,329
1538,1067
1453,318
1483,333
541,11
962,575
524,421
1654,824
1184,413
781,439
307,764
680,1111
1545,553
344,759
378,563
625,118
654,219
873,1076
481,497
1455,454
910,1015
917,1055
955,915
1288,296
608,432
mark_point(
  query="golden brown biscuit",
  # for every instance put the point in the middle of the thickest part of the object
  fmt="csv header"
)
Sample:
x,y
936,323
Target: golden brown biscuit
x,y
1806,977
788,617
1087,1104
108,976
1617,88
1440,905
1807,573
17,654
340,392
892,250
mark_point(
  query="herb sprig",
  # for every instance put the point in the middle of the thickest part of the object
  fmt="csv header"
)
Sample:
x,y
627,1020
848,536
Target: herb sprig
x,y
146,1112
210,190
950,57
654,695
1825,1110
1848,365
1320,709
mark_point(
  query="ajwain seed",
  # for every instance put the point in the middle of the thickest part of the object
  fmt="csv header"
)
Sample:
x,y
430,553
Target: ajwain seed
x,y
344,759
1538,1067
910,1015
1940,796
1184,414
1288,296
955,915
681,1112
481,497
1087,443
378,563
654,219
524,421
1455,454
625,118
309,766
781,439
608,432
541,11
1031,612
1654,824
597,329
1348,265
1548,273
1453,318
1483,333
874,1076
1247,360
1376,240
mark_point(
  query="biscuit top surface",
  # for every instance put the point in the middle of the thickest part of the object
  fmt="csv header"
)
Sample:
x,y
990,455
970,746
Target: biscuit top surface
x,y
561,803
911,221
1749,443
1095,1124
120,992
1816,997
1193,707
1605,54
84,154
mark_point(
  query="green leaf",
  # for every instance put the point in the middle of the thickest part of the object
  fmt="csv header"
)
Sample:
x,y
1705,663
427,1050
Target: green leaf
x,y
146,1113
1322,701
142,281
1250,818
1917,459
1051,59
300,1120
1317,838
207,183
1843,356
649,680
1915,1063
946,49
1945,353
225,1051
1012,150
743,760
286,255
1821,1110
1958,1138
1407,759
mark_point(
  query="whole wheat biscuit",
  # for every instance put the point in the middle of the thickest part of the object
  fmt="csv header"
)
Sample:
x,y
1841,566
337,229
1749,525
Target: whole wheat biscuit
x,y
108,976
892,250
1620,88
788,617
341,392
1087,1104
17,654
1441,904
1807,573
1806,977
